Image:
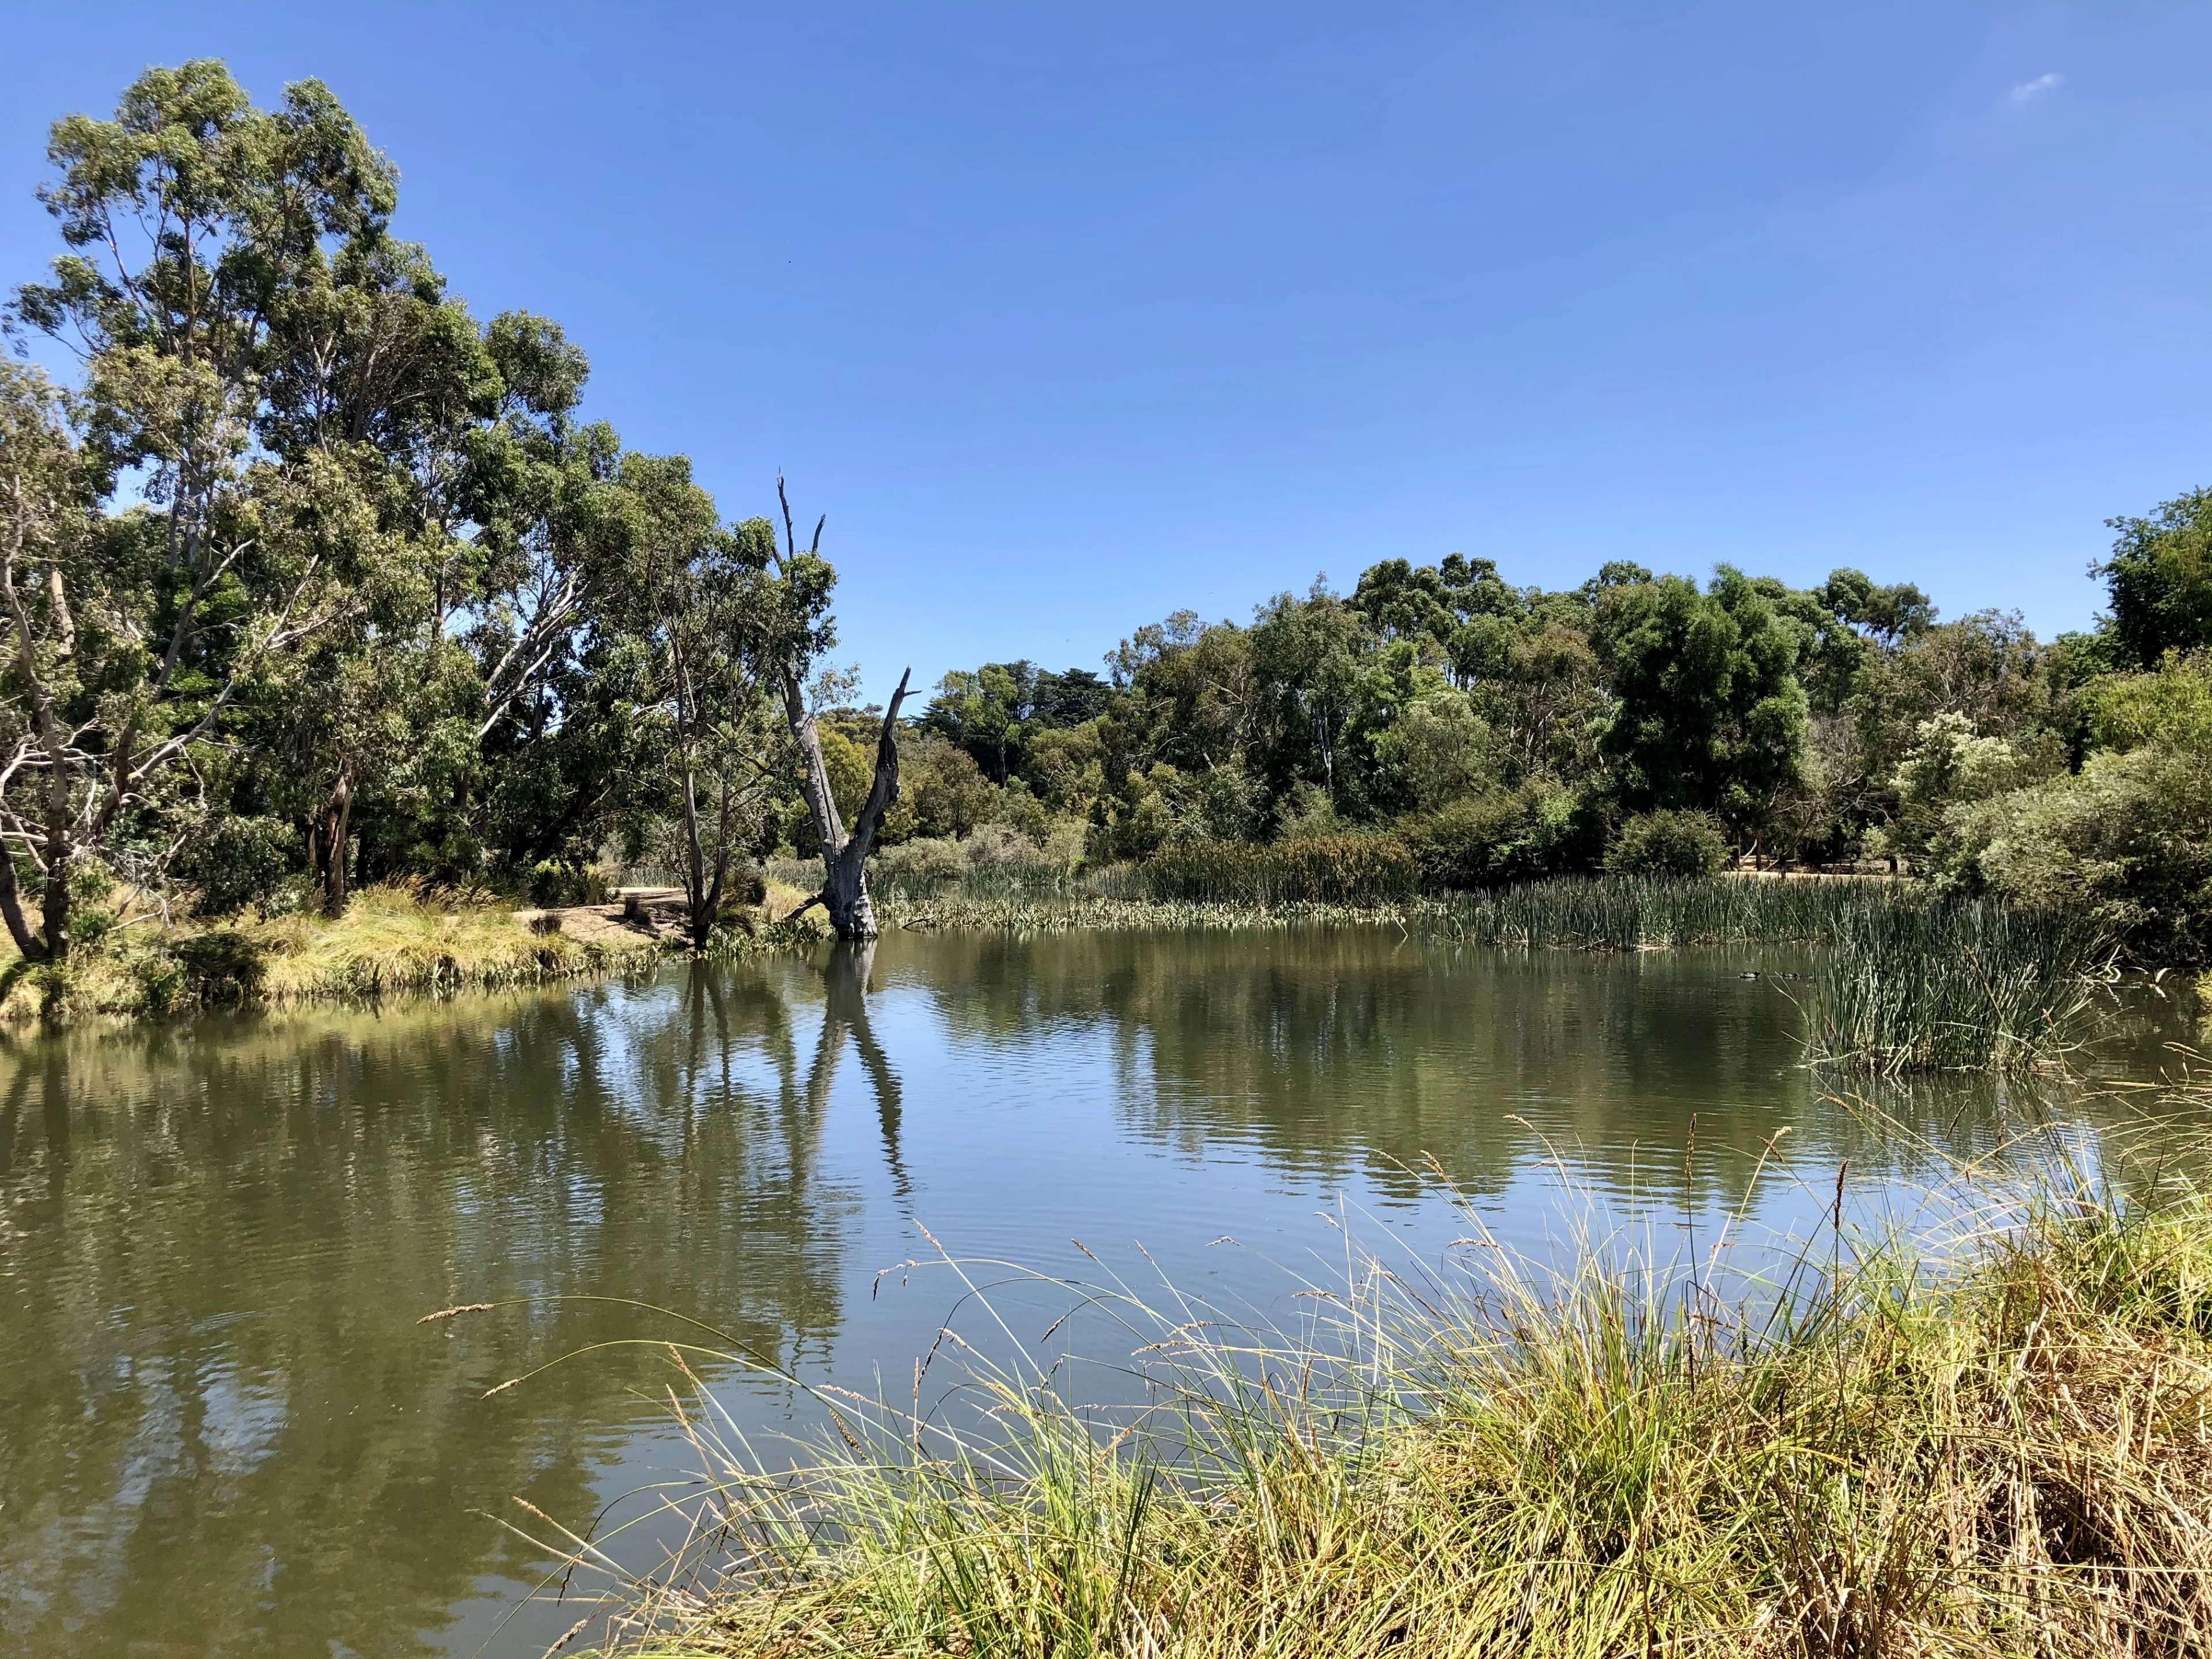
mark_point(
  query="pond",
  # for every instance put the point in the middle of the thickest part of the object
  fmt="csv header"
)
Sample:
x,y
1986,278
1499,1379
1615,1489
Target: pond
x,y
224,1431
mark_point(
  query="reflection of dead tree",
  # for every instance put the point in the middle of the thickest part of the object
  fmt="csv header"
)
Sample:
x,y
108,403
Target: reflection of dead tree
x,y
846,1012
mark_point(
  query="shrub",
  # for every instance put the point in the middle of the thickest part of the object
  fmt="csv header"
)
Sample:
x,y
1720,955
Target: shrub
x,y
556,882
1019,810
239,861
923,861
220,967
1539,829
1669,843
993,845
747,884
2128,842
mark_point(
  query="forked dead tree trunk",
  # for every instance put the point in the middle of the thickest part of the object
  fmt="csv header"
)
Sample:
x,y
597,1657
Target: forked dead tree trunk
x,y
844,892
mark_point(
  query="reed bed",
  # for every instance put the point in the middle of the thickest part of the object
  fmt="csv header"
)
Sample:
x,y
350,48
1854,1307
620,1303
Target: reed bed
x,y
1956,987
1902,979
1347,870
1994,1443
1633,912
1085,912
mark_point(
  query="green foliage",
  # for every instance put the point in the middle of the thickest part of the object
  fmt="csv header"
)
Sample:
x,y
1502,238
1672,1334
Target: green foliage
x,y
1540,829
1438,750
1708,709
556,882
851,769
2160,579
238,862
221,969
943,793
2126,842
1896,612
2172,705
1946,768
1668,843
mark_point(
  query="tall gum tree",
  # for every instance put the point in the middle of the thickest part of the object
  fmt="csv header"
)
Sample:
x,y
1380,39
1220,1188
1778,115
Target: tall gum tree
x,y
194,225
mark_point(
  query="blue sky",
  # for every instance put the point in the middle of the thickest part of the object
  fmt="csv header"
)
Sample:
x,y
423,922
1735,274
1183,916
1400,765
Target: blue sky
x,y
1072,317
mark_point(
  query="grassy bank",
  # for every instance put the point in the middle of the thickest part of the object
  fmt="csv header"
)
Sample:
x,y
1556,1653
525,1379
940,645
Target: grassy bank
x,y
2000,1450
390,940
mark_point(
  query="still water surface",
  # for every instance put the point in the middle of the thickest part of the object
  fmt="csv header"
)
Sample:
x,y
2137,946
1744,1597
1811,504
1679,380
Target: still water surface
x,y
223,1431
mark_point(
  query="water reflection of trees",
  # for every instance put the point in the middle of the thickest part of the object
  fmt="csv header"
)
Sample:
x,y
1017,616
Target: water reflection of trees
x,y
1360,1052
220,1423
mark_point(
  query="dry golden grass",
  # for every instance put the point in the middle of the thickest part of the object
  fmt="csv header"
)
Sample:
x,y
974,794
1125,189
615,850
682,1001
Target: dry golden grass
x,y
392,939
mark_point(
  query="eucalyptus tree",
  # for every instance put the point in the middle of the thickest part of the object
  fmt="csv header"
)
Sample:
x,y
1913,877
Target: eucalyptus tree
x,y
1707,708
205,240
1307,655
2160,580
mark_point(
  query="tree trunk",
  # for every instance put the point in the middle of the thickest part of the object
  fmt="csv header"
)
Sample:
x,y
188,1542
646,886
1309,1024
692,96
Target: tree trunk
x,y
338,821
844,858
32,948
844,894
55,907
703,878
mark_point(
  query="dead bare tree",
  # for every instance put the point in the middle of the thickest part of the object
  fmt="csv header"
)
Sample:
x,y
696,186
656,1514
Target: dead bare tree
x,y
844,892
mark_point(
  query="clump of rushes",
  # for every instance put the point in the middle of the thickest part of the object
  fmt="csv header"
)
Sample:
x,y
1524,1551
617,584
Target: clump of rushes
x,y
1088,912
1953,987
2006,1452
1357,870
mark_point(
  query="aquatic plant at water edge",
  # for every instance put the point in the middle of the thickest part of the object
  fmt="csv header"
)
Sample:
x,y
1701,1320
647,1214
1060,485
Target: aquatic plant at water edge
x,y
1314,870
1953,986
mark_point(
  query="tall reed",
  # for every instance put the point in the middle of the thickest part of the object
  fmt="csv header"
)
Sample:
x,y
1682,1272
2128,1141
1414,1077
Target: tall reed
x,y
1311,870
1629,912
1901,978
1953,987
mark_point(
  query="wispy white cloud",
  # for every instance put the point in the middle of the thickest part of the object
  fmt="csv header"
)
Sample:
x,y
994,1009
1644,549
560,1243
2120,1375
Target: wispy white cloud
x,y
2029,91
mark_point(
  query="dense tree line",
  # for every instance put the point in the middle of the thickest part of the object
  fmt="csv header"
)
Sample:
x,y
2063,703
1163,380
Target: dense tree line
x,y
309,577
1638,722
